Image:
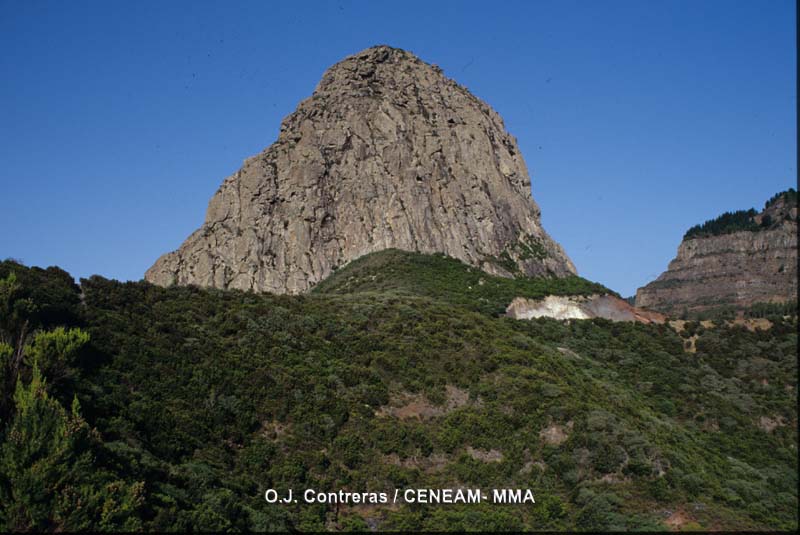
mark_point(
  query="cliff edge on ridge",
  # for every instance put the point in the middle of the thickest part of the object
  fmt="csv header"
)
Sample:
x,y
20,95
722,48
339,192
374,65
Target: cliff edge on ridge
x,y
738,259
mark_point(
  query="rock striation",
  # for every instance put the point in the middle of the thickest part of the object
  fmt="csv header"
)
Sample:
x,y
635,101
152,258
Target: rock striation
x,y
387,152
729,267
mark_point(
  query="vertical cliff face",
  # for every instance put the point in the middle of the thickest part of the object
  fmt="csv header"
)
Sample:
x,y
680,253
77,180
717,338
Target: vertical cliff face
x,y
737,260
386,153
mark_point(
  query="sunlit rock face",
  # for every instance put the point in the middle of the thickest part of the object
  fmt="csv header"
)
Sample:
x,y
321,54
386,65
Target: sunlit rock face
x,y
387,152
736,269
580,307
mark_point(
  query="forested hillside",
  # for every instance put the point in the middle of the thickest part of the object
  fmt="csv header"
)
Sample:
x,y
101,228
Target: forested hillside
x,y
129,406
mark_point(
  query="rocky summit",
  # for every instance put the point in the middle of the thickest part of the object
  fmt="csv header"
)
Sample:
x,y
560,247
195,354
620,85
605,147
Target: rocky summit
x,y
736,260
386,153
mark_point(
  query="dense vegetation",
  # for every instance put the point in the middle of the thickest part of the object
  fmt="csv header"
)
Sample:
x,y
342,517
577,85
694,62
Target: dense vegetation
x,y
725,224
771,311
742,220
443,278
139,407
789,197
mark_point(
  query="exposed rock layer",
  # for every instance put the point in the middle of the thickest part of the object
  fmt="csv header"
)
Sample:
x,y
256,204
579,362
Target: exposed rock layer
x,y
580,307
736,269
387,152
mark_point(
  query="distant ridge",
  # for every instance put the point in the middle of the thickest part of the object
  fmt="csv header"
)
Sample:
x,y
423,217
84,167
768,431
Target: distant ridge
x,y
736,260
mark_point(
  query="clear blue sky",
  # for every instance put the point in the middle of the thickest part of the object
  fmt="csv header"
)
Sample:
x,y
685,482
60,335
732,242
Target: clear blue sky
x,y
637,119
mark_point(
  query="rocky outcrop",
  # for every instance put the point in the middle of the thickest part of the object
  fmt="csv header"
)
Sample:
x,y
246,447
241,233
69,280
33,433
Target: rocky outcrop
x,y
580,307
732,268
387,152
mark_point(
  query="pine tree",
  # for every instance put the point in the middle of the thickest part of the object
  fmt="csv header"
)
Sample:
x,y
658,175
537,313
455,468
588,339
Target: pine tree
x,y
55,353
48,477
15,326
